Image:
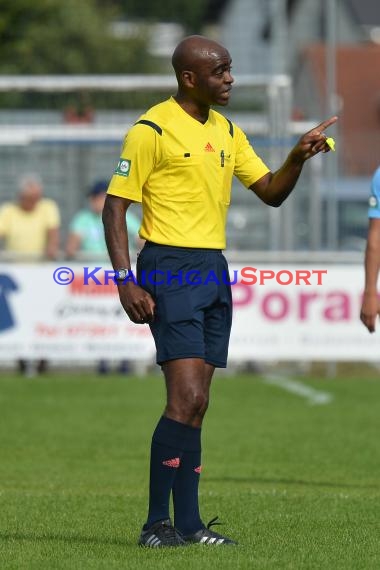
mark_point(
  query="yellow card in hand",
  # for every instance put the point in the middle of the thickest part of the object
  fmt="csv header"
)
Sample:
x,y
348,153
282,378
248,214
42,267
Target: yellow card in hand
x,y
331,143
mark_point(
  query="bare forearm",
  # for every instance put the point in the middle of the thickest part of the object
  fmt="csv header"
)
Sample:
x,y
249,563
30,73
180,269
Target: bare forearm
x,y
137,303
370,305
115,231
52,244
372,256
283,181
371,266
274,188
72,245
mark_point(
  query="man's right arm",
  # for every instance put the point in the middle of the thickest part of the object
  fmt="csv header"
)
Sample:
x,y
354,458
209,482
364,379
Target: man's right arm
x,y
137,302
274,188
370,306
4,218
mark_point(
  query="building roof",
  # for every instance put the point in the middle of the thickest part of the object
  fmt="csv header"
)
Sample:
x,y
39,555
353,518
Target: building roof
x,y
366,12
358,86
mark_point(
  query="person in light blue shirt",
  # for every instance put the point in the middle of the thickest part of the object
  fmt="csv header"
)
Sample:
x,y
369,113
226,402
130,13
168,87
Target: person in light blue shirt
x,y
86,233
371,306
374,199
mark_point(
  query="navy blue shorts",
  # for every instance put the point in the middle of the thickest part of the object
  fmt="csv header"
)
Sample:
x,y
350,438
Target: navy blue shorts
x,y
192,292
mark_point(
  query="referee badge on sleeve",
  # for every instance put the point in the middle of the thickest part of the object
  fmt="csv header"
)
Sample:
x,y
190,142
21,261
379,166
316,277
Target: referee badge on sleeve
x,y
123,167
372,202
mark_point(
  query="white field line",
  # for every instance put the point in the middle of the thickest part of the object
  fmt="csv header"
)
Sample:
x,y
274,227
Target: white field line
x,y
313,396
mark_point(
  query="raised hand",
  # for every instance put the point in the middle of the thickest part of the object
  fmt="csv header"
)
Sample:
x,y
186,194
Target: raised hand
x,y
313,142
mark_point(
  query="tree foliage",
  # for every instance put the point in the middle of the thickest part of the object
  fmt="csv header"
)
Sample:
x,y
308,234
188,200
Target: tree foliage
x,y
66,36
189,13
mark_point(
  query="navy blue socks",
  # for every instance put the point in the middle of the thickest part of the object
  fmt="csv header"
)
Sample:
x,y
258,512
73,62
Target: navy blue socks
x,y
175,464
187,519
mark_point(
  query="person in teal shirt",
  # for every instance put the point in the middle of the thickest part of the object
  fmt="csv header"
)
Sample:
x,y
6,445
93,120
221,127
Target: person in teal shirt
x,y
86,233
86,237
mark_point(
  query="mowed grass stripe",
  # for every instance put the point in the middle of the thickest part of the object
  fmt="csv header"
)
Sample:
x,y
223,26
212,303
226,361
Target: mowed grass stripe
x,y
297,484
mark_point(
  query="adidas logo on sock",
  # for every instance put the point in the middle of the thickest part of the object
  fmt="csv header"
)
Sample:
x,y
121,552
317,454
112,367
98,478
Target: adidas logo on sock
x,y
172,462
198,469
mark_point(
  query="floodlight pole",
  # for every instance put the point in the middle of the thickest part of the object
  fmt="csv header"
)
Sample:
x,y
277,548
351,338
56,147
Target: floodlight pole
x,y
278,21
281,222
331,109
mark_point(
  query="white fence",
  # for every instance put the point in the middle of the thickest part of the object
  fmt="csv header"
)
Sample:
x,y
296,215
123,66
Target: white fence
x,y
291,312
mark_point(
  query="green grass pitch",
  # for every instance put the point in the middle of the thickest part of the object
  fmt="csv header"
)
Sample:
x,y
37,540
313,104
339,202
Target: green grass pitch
x,y
298,483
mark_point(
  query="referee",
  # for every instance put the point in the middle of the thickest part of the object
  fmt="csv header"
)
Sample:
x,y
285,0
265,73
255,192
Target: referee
x,y
178,160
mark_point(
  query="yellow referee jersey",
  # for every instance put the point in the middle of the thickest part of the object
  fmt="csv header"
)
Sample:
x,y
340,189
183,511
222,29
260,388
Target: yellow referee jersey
x,y
181,170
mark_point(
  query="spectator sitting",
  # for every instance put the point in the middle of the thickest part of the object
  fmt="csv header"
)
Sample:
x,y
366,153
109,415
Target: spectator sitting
x,y
86,233
30,230
86,236
30,227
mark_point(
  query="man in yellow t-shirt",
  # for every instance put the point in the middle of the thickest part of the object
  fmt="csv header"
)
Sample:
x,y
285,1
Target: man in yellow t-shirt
x,y
30,227
179,160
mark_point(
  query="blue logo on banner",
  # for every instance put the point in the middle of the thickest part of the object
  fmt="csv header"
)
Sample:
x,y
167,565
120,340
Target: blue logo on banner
x,y
7,285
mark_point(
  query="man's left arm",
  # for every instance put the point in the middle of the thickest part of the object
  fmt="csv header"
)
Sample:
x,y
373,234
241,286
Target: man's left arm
x,y
274,188
53,221
370,308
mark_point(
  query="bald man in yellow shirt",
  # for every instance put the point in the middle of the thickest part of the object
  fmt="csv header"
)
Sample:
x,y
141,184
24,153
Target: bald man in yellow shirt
x,y
30,227
179,160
